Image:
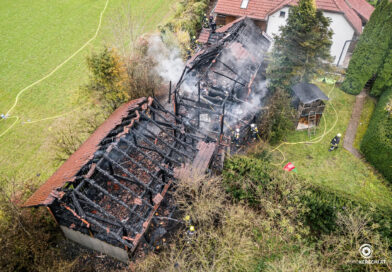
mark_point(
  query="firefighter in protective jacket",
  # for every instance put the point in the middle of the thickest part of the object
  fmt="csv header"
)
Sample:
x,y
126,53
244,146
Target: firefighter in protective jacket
x,y
335,142
253,132
237,136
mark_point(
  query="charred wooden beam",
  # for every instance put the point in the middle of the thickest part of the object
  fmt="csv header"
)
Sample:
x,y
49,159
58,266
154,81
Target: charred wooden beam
x,y
162,108
170,92
184,144
132,176
178,128
157,164
229,78
77,205
179,152
228,67
114,180
152,148
110,233
113,223
102,210
136,163
119,201
197,108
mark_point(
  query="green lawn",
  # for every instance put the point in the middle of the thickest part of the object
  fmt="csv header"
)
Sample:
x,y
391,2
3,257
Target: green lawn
x,y
368,108
338,170
35,37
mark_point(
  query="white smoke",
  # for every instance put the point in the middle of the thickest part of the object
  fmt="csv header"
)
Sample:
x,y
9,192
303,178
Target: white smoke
x,y
169,62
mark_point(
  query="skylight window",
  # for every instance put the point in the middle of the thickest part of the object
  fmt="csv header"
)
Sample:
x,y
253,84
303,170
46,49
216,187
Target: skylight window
x,y
244,4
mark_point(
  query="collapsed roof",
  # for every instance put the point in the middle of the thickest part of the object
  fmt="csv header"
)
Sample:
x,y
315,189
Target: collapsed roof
x,y
225,77
112,186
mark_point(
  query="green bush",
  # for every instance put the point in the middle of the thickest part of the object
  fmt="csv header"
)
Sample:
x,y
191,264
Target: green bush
x,y
244,176
376,145
115,80
322,209
371,51
279,118
384,78
284,195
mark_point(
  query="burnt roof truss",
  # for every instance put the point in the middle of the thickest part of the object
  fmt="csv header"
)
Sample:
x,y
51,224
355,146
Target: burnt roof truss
x,y
115,196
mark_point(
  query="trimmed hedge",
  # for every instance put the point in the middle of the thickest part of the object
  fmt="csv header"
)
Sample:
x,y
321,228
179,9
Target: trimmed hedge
x,y
371,52
376,145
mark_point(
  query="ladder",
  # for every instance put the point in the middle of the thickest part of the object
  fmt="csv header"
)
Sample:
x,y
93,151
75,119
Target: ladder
x,y
312,123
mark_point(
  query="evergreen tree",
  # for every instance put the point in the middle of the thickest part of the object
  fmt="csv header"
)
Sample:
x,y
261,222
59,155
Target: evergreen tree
x,y
372,52
301,51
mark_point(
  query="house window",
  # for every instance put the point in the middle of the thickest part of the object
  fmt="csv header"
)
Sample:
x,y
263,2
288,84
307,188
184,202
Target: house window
x,y
282,14
244,4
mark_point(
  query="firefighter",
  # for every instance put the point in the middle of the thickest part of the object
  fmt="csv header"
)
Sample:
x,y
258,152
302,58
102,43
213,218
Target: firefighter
x,y
205,21
191,231
335,142
253,131
237,137
213,27
187,220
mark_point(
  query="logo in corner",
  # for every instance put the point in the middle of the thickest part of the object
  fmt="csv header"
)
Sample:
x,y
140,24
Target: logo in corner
x,y
366,251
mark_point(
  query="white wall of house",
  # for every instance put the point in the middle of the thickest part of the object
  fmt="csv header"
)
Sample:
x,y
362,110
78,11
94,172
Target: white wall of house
x,y
275,21
342,29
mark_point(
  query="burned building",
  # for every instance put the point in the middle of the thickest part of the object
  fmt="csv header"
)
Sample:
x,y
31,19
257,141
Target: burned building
x,y
223,86
113,194
308,99
109,192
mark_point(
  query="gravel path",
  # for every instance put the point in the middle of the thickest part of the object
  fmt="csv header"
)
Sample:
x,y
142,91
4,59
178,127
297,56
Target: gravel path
x,y
353,125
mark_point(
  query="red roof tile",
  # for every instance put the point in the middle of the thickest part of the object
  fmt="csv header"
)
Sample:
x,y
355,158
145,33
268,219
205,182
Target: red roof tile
x,y
226,27
261,9
363,8
204,35
256,9
46,194
351,16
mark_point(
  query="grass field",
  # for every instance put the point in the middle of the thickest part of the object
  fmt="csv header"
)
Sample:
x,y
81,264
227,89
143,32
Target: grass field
x,y
35,37
339,171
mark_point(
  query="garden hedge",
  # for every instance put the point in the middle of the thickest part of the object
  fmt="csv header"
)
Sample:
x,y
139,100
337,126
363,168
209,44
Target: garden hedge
x,y
376,145
370,57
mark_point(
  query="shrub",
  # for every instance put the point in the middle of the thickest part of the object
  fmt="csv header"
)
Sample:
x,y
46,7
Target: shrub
x,y
71,133
322,209
244,177
278,120
376,145
27,237
115,80
108,78
371,52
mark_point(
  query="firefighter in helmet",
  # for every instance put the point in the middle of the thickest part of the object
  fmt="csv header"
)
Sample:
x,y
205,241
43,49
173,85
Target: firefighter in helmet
x,y
237,136
335,142
253,131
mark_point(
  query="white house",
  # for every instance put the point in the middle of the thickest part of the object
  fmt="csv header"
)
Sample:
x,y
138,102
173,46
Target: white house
x,y
347,18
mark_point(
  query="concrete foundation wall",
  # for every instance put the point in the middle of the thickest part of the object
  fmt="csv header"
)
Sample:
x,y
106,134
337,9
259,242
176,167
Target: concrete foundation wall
x,y
95,244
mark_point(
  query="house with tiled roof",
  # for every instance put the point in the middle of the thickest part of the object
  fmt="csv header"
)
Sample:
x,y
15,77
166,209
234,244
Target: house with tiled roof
x,y
348,18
